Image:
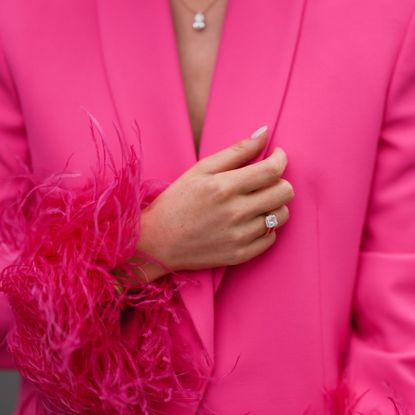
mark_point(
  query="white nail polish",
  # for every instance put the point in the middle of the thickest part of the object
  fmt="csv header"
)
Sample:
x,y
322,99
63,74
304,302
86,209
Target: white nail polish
x,y
258,132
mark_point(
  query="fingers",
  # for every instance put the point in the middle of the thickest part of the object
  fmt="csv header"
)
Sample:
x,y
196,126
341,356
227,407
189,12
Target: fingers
x,y
254,228
258,175
255,248
236,155
269,198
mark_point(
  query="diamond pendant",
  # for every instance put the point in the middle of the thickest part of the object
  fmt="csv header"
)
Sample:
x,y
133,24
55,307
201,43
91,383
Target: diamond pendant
x,y
199,21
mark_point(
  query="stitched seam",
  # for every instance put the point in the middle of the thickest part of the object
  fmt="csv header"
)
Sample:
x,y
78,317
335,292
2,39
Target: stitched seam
x,y
289,76
320,295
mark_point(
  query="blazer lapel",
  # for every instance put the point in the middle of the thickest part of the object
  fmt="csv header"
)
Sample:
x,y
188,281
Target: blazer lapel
x,y
250,79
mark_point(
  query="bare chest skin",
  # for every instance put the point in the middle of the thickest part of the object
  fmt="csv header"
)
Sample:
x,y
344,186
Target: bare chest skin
x,y
197,54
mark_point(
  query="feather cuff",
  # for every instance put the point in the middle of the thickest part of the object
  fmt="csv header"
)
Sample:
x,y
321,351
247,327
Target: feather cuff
x,y
67,338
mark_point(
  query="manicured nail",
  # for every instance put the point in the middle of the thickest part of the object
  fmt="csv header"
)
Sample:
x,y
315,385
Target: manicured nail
x,y
258,132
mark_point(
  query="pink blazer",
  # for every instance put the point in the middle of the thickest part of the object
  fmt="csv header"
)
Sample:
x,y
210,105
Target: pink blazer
x,y
325,316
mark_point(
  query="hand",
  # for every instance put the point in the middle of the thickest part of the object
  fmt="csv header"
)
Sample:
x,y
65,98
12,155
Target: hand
x,y
213,214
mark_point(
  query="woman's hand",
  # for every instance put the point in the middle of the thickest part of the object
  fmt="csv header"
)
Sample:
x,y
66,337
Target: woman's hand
x,y
213,214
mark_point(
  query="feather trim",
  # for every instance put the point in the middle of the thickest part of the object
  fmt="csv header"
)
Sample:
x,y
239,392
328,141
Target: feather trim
x,y
67,338
342,400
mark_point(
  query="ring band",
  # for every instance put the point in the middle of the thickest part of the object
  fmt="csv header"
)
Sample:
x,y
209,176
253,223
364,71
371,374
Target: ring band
x,y
271,222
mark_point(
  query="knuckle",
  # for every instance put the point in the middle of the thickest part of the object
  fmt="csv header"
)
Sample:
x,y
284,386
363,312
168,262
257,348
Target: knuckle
x,y
238,255
282,154
272,236
273,170
199,164
237,211
285,212
202,164
267,242
236,237
288,188
240,146
218,189
236,216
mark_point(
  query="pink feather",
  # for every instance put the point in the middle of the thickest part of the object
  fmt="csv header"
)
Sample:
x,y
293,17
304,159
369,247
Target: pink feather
x,y
68,335
68,338
342,400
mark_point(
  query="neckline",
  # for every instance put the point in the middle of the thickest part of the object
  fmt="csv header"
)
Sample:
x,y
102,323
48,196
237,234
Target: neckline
x,y
213,80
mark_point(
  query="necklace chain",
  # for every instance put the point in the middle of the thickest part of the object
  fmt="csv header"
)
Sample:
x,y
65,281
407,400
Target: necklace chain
x,y
199,17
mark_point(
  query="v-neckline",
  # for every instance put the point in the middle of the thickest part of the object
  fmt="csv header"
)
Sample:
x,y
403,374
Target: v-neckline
x,y
253,67
181,81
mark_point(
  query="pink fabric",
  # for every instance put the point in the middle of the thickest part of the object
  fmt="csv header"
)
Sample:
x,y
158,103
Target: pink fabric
x,y
334,297
75,337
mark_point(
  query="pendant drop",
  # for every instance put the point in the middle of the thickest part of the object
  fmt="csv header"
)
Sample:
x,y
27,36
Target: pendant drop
x,y
199,21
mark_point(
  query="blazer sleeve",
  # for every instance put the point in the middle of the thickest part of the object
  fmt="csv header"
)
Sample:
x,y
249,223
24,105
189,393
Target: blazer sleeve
x,y
84,344
13,155
381,358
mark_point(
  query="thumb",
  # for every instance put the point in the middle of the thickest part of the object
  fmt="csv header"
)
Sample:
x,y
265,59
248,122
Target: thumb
x,y
235,155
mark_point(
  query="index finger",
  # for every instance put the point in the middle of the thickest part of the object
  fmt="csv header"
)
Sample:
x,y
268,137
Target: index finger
x,y
261,174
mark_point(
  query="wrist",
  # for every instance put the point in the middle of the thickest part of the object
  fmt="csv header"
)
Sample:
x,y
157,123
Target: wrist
x,y
148,263
153,246
145,273
150,271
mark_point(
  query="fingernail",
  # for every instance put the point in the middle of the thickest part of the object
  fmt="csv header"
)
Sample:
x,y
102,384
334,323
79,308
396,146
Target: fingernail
x,y
258,132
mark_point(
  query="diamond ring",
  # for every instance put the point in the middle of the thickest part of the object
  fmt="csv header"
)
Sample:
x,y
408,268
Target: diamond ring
x,y
271,222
